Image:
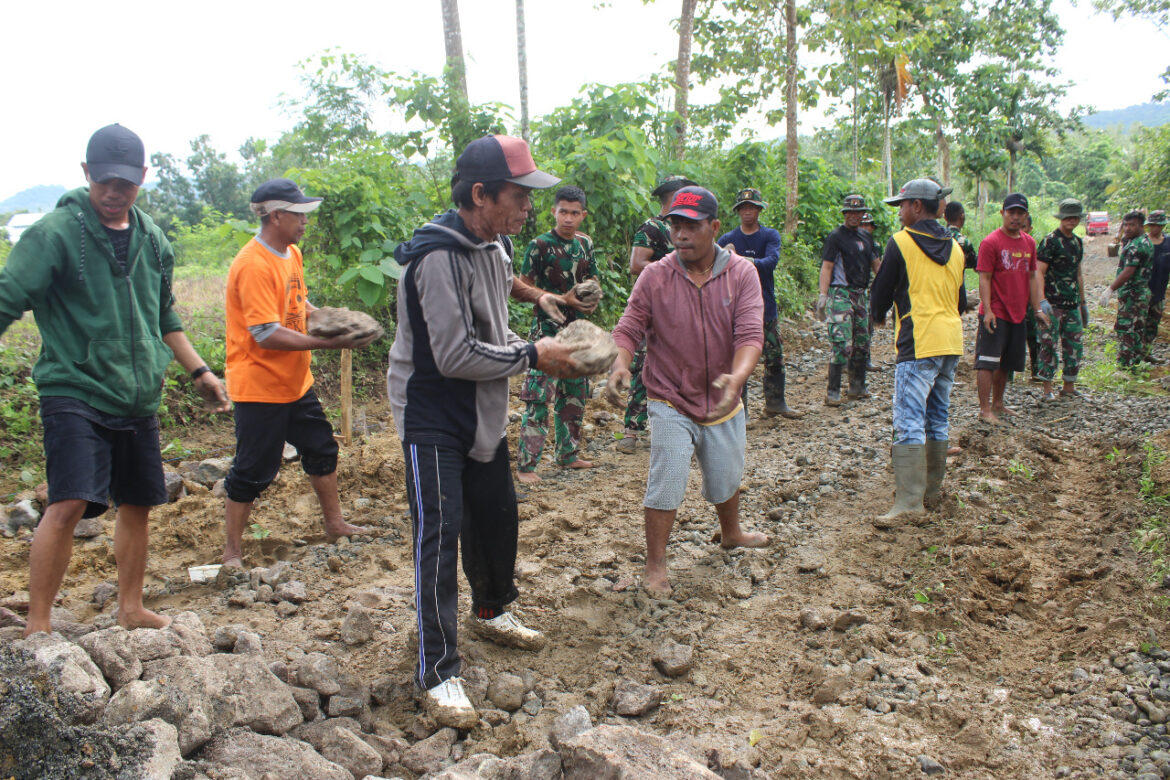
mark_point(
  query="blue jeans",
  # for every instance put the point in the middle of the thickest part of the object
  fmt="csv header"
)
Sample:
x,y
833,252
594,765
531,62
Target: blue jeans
x,y
922,397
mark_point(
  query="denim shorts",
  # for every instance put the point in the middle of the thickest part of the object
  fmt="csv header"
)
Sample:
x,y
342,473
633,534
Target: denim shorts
x,y
674,438
96,457
922,399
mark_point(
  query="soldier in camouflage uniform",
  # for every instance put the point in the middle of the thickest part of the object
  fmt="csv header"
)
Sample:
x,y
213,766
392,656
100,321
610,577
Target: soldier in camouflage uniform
x,y
1059,257
956,217
651,243
1155,224
761,245
1132,285
555,262
847,262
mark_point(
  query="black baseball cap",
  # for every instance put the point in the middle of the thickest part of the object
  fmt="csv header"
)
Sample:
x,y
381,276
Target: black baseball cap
x,y
671,184
694,203
501,158
1015,201
281,195
115,153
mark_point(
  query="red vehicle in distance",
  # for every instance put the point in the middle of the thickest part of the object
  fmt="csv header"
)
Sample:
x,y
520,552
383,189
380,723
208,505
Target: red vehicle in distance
x,y
1097,223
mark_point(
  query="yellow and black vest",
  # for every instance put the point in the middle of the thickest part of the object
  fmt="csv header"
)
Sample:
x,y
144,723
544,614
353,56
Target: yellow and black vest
x,y
928,323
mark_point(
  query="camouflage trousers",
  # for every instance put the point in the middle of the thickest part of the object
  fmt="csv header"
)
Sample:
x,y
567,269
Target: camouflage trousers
x,y
1153,320
1132,310
1032,336
773,358
636,405
568,409
848,320
1065,327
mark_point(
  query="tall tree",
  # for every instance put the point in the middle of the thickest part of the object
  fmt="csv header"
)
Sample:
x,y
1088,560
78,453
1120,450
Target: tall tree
x,y
792,146
455,76
522,62
682,77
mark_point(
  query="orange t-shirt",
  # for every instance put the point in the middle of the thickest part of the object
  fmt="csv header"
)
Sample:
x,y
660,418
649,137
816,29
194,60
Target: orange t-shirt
x,y
264,287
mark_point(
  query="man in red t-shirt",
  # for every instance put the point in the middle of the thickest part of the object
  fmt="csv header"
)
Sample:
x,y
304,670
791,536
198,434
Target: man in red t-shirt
x,y
1008,279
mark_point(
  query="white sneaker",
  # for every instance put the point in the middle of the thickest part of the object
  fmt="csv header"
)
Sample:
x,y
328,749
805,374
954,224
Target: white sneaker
x,y
448,704
505,629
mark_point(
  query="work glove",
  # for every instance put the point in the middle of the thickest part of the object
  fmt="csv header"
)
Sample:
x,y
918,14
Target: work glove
x,y
1084,315
1046,307
1103,301
822,301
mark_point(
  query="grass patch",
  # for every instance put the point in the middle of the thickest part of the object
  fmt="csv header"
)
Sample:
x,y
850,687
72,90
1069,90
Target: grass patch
x,y
1100,372
1153,535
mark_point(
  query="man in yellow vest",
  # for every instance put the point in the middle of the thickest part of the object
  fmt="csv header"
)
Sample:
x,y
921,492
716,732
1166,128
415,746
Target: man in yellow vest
x,y
921,276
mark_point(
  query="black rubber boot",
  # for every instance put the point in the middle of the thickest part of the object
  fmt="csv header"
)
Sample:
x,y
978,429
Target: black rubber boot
x,y
774,403
833,395
936,470
857,388
909,462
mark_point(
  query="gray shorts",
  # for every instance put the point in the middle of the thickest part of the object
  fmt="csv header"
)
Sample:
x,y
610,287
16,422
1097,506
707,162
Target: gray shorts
x,y
674,438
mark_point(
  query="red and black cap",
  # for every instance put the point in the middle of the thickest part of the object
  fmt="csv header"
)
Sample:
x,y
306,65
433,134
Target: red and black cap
x,y
115,153
1015,200
694,203
501,158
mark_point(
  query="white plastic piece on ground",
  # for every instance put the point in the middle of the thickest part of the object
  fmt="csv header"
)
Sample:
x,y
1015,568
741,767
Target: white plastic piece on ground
x,y
205,573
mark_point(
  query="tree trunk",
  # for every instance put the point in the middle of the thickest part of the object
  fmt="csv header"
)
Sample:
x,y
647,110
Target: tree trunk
x,y
855,144
455,76
887,152
682,77
522,61
1011,177
792,148
944,151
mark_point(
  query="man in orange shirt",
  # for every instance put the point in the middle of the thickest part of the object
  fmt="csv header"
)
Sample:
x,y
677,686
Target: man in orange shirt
x,y
268,366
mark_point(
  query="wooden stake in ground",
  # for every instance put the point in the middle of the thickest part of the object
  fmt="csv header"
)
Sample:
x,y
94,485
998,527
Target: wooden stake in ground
x,y
346,396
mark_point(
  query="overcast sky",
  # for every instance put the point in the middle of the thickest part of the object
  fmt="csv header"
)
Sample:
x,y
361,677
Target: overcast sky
x,y
172,71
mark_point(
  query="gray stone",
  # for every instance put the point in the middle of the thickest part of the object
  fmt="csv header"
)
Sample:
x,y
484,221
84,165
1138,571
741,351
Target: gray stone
x,y
389,748
319,672
162,755
831,689
277,757
345,706
293,590
428,755
277,573
338,743
88,528
575,721
309,701
248,643
289,453
224,638
542,764
186,632
151,644
174,484
593,348
102,593
625,752
22,514
507,691
252,696
113,652
161,698
242,598
812,619
71,668
210,471
929,766
286,609
673,659
849,619
280,669
264,593
219,489
358,626
632,699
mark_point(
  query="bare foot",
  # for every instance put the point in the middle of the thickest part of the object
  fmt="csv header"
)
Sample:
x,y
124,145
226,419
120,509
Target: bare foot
x,y
334,531
655,583
954,451
528,477
990,417
745,539
232,561
142,619
579,464
1006,410
36,628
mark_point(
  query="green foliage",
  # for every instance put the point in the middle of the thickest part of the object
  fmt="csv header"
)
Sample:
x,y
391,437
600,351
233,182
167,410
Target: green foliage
x,y
258,532
1146,176
208,247
20,423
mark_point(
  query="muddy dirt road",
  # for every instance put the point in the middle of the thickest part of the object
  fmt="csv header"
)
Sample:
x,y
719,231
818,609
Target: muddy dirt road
x,y
978,640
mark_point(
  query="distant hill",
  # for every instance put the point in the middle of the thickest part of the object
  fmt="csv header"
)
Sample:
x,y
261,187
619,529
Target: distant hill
x,y
1147,114
40,198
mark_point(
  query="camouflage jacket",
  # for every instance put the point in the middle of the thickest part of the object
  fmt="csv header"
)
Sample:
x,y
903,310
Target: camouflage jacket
x,y
1137,254
1063,255
654,234
555,265
969,255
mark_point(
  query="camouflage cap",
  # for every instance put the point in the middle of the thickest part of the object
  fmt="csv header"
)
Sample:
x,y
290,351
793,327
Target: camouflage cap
x,y
1069,207
669,184
1156,218
867,219
916,189
854,203
751,196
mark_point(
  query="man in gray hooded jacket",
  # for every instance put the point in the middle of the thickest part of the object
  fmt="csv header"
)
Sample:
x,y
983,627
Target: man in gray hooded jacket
x,y
448,389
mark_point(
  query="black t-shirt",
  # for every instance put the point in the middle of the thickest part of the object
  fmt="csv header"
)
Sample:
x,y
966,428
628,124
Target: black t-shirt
x,y
851,252
1161,273
121,241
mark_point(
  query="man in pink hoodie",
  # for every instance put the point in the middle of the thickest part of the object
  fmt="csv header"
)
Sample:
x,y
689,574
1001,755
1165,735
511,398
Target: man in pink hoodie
x,y
702,313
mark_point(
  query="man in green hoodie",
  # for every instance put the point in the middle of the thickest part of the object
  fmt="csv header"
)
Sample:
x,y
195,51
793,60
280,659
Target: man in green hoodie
x,y
96,273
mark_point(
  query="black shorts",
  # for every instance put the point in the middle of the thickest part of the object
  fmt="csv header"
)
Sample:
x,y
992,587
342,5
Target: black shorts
x,y
261,431
97,457
1004,349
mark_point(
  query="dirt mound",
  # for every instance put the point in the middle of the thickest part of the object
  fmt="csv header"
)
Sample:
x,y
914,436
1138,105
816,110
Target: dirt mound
x,y
329,321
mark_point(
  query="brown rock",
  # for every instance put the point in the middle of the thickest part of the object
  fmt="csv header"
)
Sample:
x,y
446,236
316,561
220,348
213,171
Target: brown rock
x,y
592,347
831,689
632,699
329,321
673,659
625,752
